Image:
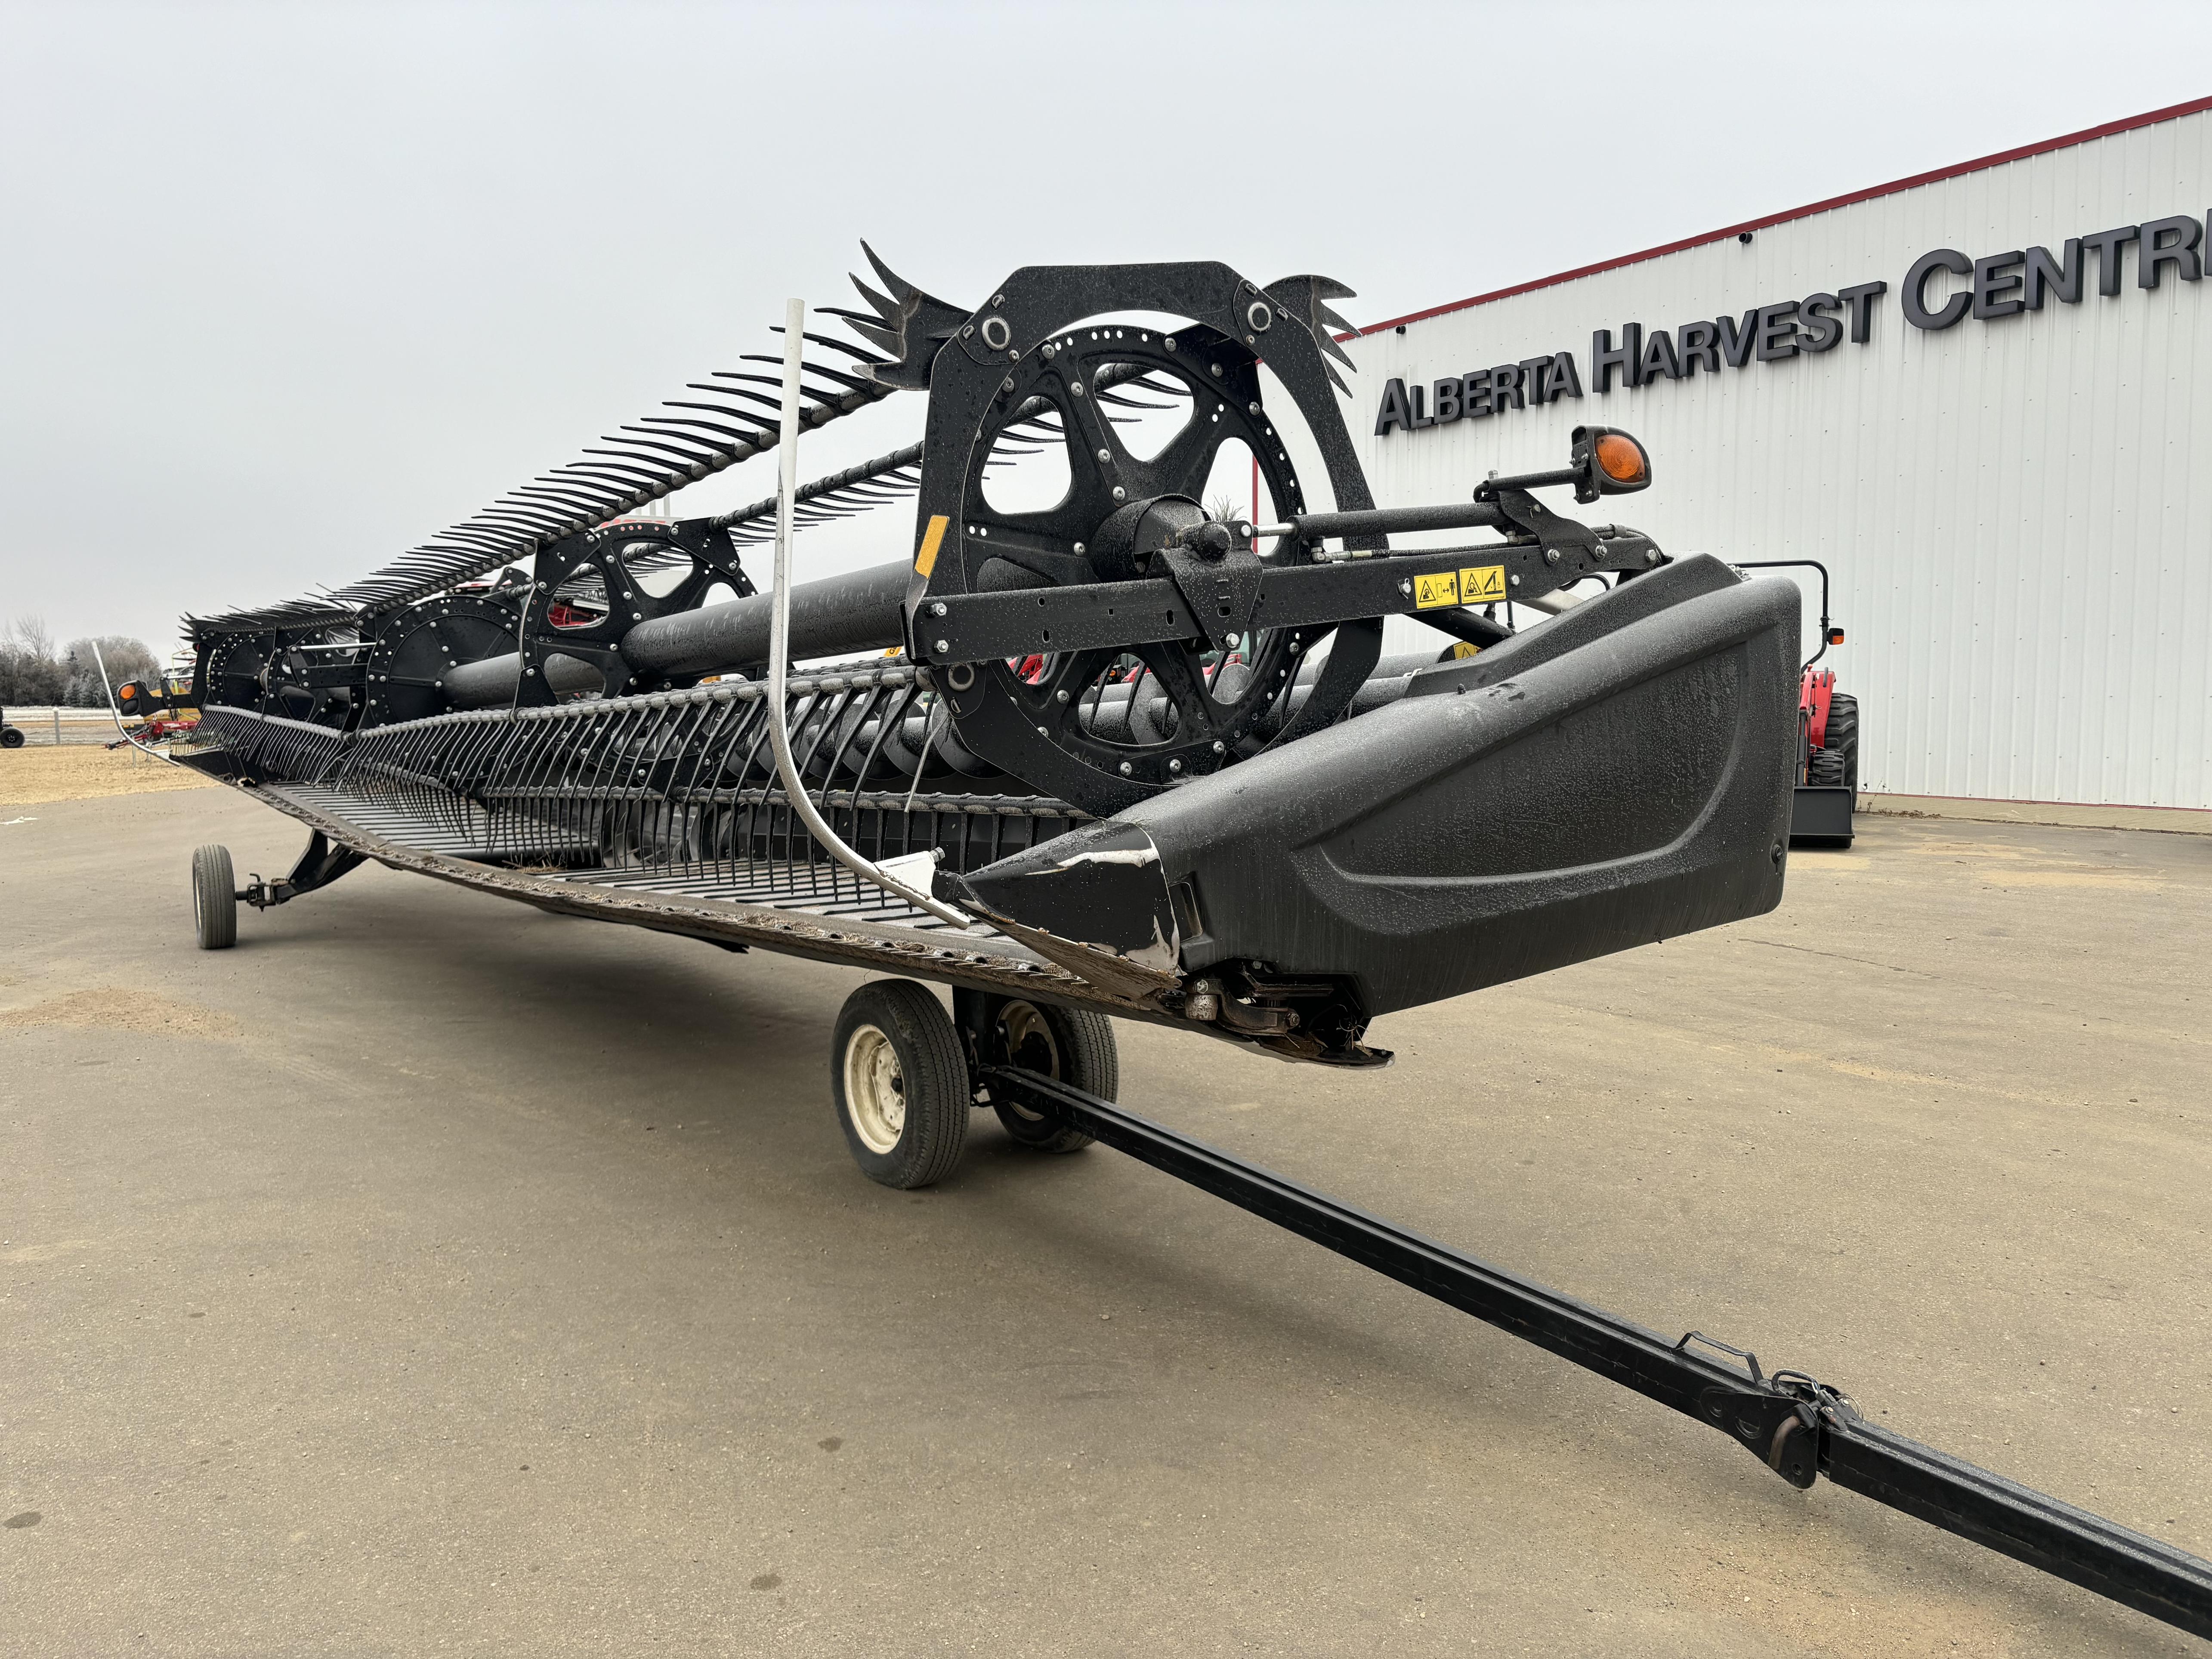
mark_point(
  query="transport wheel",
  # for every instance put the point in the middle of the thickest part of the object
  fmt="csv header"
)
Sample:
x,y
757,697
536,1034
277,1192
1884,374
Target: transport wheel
x,y
215,898
899,1076
1072,1045
11,738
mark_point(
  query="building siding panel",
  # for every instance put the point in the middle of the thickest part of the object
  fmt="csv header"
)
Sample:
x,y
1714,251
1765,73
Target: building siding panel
x,y
2014,511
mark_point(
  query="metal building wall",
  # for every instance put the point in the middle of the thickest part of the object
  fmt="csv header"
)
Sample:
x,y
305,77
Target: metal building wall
x,y
2017,512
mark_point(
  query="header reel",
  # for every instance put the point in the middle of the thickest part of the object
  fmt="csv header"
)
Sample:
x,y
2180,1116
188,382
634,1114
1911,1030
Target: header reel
x,y
1056,362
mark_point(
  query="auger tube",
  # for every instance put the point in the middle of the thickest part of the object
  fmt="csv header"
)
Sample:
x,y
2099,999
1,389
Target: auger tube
x,y
838,615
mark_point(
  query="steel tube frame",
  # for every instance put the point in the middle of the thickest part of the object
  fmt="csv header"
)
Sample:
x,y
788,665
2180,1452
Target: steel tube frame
x,y
1755,1408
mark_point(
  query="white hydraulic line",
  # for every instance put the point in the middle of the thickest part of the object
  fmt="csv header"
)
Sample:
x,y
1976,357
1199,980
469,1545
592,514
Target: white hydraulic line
x,y
108,686
779,641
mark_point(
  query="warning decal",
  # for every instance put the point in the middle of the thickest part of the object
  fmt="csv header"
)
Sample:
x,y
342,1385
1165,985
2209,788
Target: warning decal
x,y
1479,584
1441,589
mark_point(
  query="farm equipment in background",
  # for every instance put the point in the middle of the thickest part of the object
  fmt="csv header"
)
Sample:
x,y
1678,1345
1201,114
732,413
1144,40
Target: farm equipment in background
x,y
1125,759
1827,784
11,737
163,706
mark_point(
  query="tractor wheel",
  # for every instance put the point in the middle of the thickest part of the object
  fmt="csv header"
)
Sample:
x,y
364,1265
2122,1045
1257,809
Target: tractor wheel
x,y
1070,1045
1844,740
215,898
899,1076
11,737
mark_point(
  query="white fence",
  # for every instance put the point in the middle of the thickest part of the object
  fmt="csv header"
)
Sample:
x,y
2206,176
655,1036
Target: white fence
x,y
56,725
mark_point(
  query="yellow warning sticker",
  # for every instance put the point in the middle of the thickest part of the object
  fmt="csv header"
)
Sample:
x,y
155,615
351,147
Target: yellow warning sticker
x,y
1441,588
1463,650
931,539
1479,584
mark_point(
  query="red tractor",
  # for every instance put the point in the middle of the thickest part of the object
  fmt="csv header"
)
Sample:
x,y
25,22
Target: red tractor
x,y
1828,736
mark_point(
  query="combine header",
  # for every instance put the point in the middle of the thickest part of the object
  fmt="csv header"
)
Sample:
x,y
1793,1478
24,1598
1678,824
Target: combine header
x,y
1088,751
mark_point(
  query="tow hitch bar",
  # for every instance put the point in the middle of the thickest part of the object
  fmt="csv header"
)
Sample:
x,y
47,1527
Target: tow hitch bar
x,y
1800,1428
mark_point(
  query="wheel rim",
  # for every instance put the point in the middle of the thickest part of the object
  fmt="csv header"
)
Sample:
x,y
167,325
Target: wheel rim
x,y
875,1090
1029,1045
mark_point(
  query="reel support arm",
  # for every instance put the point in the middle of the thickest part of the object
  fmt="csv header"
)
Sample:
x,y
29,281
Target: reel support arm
x,y
1799,1428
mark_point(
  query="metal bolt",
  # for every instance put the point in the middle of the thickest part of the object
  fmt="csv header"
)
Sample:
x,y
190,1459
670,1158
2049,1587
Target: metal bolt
x,y
1219,747
937,608
1169,343
944,645
1550,556
1060,697
1105,454
1042,732
1252,409
1006,384
1515,580
1174,766
1126,768
1405,587
1075,388
637,615
1217,371
1120,494
1651,557
1050,350
1078,547
1230,638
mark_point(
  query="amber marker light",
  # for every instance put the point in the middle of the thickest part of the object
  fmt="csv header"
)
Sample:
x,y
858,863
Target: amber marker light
x,y
1607,463
1620,457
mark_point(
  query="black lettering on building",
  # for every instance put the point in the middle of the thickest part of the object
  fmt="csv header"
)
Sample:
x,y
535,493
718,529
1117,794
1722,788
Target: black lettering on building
x,y
1997,286
1915,297
1393,411
1605,356
1820,329
1698,344
2180,253
2060,277
1860,299
1737,338
1658,361
2108,244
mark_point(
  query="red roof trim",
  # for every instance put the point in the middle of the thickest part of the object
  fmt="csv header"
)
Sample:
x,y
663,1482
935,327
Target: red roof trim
x,y
2172,112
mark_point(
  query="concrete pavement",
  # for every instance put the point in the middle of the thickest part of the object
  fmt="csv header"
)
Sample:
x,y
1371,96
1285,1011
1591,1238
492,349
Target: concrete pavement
x,y
429,1275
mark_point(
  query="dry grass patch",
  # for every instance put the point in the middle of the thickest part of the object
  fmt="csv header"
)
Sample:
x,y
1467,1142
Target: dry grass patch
x,y
33,773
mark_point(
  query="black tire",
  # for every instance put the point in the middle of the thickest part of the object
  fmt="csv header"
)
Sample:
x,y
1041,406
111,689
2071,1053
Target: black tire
x,y
12,737
898,1074
1844,740
1074,1046
215,898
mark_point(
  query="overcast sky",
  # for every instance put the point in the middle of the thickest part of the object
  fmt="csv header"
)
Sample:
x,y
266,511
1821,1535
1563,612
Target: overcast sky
x,y
290,288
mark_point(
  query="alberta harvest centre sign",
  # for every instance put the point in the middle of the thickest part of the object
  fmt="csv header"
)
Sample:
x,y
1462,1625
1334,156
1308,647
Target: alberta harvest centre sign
x,y
1991,289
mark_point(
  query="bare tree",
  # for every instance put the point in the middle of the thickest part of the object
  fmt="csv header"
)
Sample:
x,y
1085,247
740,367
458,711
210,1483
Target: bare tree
x,y
29,671
126,658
